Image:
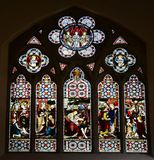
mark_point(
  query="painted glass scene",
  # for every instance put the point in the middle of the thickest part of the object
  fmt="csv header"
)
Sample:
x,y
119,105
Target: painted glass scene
x,y
108,115
135,116
19,116
77,113
45,128
76,37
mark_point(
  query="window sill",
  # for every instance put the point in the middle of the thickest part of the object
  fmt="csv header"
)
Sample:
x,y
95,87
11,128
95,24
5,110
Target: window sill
x,y
75,156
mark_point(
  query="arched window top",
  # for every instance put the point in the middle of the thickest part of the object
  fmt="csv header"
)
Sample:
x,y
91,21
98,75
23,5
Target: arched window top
x,y
134,80
108,79
77,73
46,88
108,88
46,79
22,88
134,88
21,79
77,86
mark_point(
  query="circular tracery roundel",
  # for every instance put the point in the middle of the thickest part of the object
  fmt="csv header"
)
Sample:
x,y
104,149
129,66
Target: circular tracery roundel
x,y
76,37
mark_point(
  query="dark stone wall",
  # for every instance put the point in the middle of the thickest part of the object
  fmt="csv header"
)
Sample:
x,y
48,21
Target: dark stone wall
x,y
17,16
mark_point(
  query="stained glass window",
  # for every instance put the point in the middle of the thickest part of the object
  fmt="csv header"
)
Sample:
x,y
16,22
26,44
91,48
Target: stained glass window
x,y
108,115
76,37
20,115
77,113
45,119
135,116
94,108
